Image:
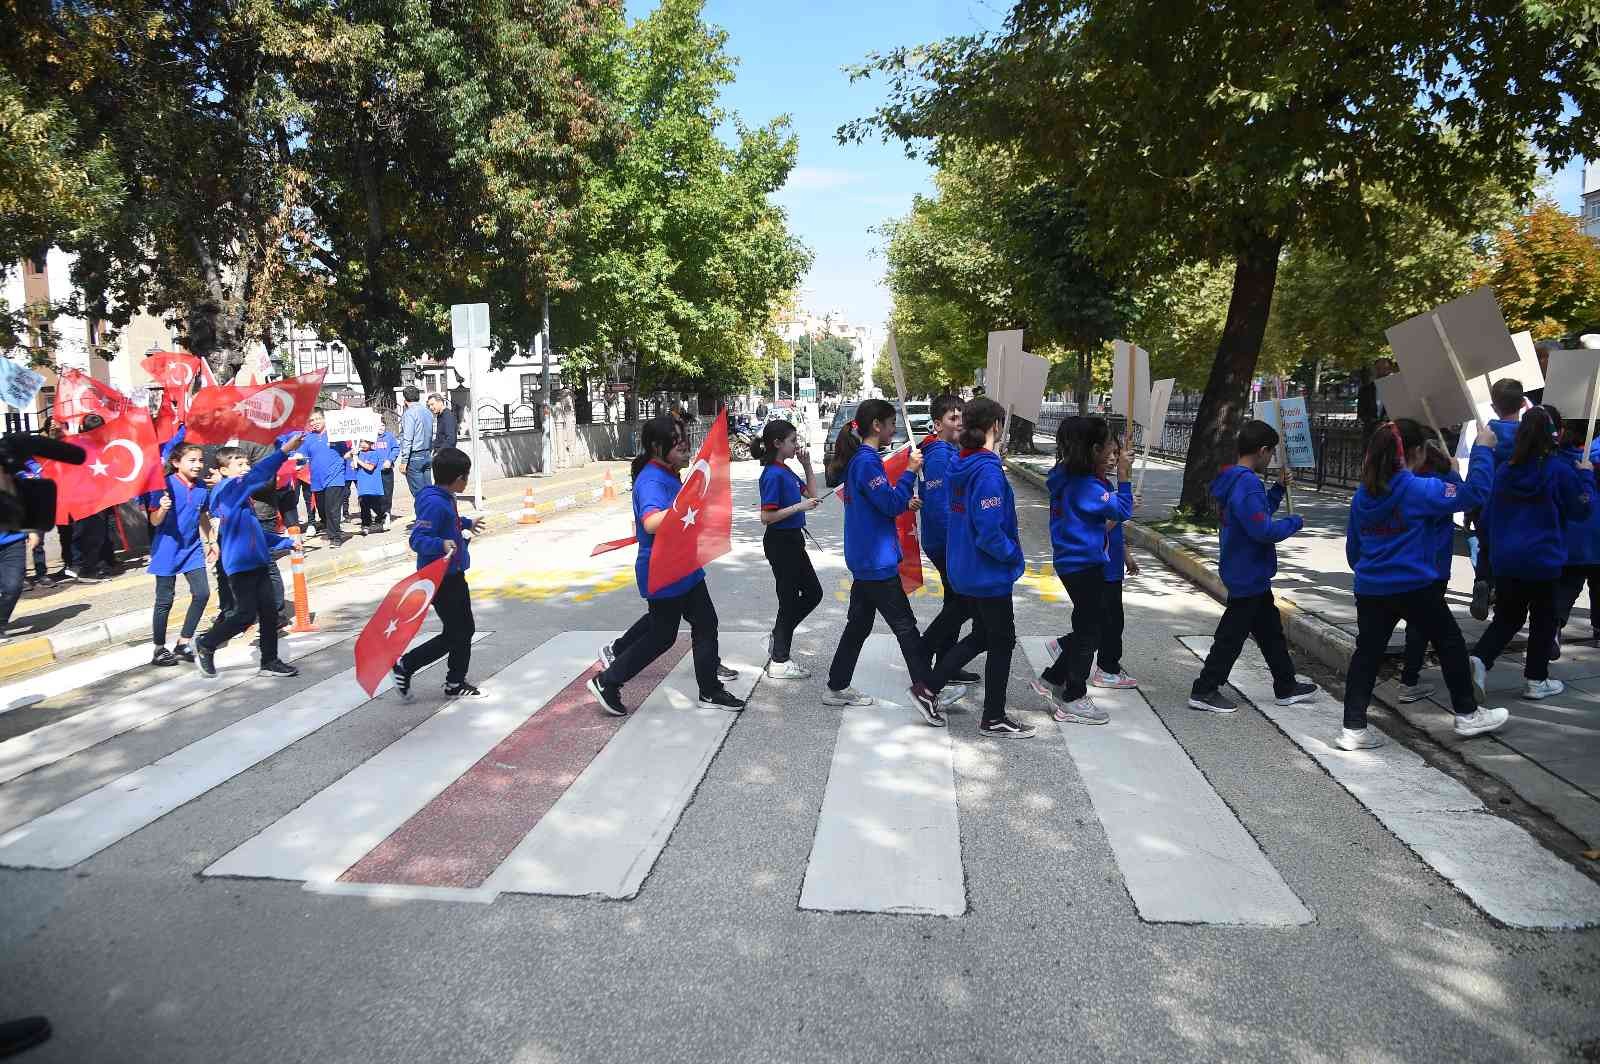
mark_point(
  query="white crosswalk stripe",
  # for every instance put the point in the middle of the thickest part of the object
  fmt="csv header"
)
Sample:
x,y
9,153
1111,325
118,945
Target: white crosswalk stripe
x,y
71,676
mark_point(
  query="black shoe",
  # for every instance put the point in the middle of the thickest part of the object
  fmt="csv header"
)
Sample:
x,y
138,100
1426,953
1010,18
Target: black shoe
x,y
277,668
87,577
608,653
164,657
610,698
963,676
725,674
1005,728
1480,601
402,681
204,660
461,690
1213,702
184,652
1298,693
17,1035
927,703
722,699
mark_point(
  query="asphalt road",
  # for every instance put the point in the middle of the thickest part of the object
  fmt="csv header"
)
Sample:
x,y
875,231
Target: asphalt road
x,y
137,956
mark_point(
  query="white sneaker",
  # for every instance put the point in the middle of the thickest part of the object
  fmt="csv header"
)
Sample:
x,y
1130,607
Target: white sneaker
x,y
848,697
1053,648
1538,689
787,670
951,694
1414,692
1115,681
1365,739
1480,676
1484,720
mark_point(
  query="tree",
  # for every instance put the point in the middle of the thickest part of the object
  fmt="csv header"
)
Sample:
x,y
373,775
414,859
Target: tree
x,y
833,360
1545,271
1259,122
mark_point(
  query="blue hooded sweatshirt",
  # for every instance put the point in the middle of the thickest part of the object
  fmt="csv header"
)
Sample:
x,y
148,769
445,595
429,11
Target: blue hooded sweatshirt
x,y
327,460
1249,534
175,543
244,542
1582,534
438,521
937,455
1080,506
871,503
984,551
1116,559
1506,435
1442,528
1527,512
1391,543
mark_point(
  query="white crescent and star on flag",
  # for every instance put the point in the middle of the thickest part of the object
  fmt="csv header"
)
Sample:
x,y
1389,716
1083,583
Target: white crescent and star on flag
x,y
702,469
100,467
428,590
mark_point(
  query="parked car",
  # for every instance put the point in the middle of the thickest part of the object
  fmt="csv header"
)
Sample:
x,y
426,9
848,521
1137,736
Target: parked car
x,y
920,414
846,414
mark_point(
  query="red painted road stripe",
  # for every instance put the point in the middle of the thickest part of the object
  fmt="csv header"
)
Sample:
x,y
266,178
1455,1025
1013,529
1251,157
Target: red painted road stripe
x,y
461,836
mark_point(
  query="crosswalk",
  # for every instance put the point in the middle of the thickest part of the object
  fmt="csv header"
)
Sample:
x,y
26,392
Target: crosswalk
x,y
531,790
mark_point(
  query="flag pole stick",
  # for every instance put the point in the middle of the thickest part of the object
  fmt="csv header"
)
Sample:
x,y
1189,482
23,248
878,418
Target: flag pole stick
x,y
1283,445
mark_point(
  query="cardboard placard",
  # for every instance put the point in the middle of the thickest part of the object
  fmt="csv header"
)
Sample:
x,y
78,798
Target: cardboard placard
x,y
1295,430
1570,381
1008,339
1526,368
1025,383
1135,360
1397,399
352,424
1160,399
18,384
1478,337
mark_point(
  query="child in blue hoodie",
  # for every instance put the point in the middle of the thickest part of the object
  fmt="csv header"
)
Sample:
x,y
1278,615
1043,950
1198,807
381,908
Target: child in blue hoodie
x,y
1108,658
367,465
984,552
245,557
439,533
1583,542
785,499
1080,506
872,554
1392,545
1441,532
1250,537
1534,497
938,451
328,473
1507,398
177,547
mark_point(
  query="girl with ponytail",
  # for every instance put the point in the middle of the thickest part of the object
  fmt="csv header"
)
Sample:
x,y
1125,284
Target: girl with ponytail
x,y
180,545
1392,545
1534,497
785,498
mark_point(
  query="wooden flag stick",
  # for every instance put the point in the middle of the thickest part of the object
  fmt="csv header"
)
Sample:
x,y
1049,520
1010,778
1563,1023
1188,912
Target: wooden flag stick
x,y
1455,364
1283,446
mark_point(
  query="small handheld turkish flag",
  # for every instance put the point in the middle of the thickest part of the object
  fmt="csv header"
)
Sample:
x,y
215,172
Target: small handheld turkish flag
x,y
392,628
699,527
121,461
260,414
910,551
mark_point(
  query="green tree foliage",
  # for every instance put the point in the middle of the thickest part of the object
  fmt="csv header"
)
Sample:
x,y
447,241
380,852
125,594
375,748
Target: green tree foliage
x,y
1259,121
1545,271
680,261
833,358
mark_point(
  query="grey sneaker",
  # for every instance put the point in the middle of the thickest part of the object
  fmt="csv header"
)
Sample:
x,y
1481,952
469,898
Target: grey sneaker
x,y
1365,739
1541,689
1480,676
1414,692
848,697
787,670
1079,711
1213,702
1300,692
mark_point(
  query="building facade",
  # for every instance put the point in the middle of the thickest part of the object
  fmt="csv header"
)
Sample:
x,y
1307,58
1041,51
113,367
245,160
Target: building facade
x,y
1591,199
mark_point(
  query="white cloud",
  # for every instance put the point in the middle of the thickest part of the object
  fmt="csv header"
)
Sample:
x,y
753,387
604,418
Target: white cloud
x,y
821,179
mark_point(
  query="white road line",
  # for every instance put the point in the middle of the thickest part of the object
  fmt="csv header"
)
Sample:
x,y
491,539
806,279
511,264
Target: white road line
x,y
604,834
339,825
1182,852
83,827
401,892
52,742
888,838
70,677
1495,863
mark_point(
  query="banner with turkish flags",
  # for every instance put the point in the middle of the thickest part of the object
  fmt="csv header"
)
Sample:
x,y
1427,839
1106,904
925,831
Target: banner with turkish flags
x,y
392,628
79,395
699,527
261,413
180,375
121,461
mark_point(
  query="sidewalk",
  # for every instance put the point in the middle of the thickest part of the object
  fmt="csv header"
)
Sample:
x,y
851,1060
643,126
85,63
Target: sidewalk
x,y
56,621
1549,753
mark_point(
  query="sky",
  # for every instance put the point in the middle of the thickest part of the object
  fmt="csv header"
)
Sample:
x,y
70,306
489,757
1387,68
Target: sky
x,y
791,62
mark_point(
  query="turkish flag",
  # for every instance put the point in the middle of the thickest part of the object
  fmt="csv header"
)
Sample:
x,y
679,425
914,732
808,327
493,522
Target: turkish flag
x,y
260,413
699,527
172,369
910,552
395,624
893,466
613,544
78,395
121,461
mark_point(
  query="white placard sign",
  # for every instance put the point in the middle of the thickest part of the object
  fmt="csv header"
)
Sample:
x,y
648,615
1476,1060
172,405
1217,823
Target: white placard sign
x,y
1397,399
1026,376
1569,381
1135,360
1160,399
18,384
1526,368
1295,430
1477,336
469,325
993,377
353,424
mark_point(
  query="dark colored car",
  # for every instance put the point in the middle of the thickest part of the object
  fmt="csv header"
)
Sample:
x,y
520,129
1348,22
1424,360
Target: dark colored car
x,y
843,416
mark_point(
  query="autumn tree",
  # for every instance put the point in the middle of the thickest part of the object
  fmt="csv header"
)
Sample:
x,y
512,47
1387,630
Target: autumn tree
x,y
1545,271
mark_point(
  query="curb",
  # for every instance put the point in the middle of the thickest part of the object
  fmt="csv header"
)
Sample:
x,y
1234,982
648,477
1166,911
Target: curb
x,y
25,655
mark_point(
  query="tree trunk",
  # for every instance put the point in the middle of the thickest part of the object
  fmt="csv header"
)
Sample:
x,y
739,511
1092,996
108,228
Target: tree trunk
x,y
1225,402
1083,383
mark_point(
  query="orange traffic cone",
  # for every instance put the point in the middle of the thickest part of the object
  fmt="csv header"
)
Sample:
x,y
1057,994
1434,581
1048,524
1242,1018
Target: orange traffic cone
x,y
297,570
529,515
610,493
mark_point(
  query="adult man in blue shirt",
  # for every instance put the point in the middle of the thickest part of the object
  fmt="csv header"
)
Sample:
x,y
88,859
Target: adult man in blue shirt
x,y
416,443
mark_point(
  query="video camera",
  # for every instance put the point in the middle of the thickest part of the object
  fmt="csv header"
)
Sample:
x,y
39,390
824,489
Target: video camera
x,y
29,504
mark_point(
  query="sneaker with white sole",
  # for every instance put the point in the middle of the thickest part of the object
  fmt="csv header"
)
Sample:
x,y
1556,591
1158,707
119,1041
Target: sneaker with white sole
x,y
1005,728
1053,648
1112,681
1541,689
847,697
1364,739
1484,720
927,702
1414,692
721,699
787,670
1079,711
610,698
608,654
402,681
1480,676
1480,601
1213,702
1300,692
724,673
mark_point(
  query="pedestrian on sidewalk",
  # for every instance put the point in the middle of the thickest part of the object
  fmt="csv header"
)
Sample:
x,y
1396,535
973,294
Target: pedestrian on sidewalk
x,y
785,499
415,449
328,472
1080,506
445,433
180,535
440,532
1507,399
369,487
1534,497
663,451
245,559
388,447
1582,536
1441,534
872,554
1392,546
984,552
1108,673
1250,538
938,452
